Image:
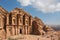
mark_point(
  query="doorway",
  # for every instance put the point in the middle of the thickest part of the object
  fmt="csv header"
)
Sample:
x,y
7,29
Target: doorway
x,y
20,31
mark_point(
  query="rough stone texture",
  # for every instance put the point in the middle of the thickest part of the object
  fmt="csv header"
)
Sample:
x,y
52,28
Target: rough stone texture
x,y
20,22
32,37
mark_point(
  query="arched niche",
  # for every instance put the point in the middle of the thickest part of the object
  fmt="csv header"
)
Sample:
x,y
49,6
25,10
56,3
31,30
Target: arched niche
x,y
19,19
35,30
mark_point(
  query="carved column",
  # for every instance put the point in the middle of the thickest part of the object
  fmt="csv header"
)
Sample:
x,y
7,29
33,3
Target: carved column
x,y
8,31
13,31
16,30
23,30
26,30
7,19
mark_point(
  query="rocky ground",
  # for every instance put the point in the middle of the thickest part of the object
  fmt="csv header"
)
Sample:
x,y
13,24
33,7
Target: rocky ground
x,y
30,37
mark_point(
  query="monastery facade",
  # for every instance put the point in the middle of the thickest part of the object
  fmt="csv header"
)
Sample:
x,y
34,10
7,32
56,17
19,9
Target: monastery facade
x,y
20,22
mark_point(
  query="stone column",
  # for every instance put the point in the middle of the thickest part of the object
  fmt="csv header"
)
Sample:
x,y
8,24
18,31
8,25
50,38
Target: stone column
x,y
26,30
16,30
29,29
7,19
13,31
23,30
8,32
2,34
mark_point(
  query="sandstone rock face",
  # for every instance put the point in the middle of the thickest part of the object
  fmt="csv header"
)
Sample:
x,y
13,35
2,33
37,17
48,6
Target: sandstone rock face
x,y
37,26
20,22
58,32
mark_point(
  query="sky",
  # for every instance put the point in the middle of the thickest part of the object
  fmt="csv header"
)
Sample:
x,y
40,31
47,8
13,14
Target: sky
x,y
47,10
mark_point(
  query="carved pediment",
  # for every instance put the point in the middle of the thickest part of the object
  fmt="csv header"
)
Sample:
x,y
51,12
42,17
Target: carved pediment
x,y
20,11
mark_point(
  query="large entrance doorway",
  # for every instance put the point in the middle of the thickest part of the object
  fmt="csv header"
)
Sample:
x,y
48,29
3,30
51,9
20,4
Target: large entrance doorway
x,y
20,31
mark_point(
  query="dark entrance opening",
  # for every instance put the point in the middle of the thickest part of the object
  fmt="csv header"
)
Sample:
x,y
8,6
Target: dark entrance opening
x,y
20,31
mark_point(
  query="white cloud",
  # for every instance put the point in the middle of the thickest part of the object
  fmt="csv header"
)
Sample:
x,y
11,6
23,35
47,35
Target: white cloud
x,y
24,2
42,5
